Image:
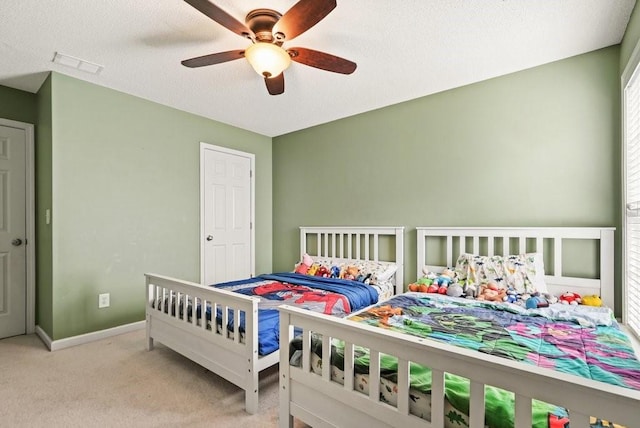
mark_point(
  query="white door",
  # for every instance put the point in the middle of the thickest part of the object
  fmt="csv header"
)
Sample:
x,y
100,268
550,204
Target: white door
x,y
227,250
13,257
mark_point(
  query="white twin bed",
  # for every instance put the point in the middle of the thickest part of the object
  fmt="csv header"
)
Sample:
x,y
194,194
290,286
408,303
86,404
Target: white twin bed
x,y
174,316
323,395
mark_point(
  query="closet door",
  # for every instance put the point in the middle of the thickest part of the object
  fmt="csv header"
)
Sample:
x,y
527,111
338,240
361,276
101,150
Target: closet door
x,y
227,213
13,253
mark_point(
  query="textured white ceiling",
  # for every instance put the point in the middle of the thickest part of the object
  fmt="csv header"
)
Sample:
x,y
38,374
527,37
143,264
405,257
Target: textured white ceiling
x,y
404,49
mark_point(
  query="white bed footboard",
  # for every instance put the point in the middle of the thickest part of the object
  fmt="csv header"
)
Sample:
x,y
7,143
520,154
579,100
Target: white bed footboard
x,y
322,402
172,320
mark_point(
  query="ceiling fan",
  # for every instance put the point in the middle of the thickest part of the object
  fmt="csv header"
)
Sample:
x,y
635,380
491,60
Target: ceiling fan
x,y
268,30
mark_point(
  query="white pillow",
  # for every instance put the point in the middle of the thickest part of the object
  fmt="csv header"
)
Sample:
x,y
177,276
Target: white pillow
x,y
524,272
537,275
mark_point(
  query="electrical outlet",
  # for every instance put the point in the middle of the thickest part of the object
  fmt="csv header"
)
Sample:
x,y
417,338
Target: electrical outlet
x,y
103,300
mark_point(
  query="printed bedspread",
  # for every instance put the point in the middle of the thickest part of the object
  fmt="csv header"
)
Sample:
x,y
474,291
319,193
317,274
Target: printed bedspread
x,y
584,341
330,296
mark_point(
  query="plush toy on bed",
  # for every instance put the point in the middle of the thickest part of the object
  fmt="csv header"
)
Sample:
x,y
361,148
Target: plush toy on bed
x,y
305,264
536,300
313,269
455,290
570,298
491,292
592,300
512,296
334,272
470,291
446,277
351,272
422,284
322,271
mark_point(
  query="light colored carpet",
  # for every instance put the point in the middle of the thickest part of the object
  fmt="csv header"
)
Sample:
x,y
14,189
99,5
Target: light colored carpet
x,y
116,382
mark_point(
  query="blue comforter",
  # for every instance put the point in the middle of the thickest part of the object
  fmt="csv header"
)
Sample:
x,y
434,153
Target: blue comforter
x,y
330,296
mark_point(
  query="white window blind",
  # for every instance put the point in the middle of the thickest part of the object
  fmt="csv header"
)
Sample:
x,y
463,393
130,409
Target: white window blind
x,y
631,299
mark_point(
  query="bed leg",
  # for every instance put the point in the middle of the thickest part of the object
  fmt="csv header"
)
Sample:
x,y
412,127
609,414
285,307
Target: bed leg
x,y
149,344
251,401
285,418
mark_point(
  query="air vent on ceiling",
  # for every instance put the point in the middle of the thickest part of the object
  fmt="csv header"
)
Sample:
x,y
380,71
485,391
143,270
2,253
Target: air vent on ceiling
x,y
77,63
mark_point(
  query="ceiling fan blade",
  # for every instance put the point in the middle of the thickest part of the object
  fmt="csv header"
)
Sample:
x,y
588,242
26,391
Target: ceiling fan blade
x,y
302,16
212,59
321,60
222,17
275,85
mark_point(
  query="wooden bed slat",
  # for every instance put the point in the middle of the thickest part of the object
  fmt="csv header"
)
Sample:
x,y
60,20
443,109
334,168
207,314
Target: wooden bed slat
x,y
437,397
403,386
374,374
326,356
523,411
348,366
476,410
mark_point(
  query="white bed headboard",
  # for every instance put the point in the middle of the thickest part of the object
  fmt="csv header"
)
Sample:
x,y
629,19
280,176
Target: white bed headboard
x,y
453,241
359,243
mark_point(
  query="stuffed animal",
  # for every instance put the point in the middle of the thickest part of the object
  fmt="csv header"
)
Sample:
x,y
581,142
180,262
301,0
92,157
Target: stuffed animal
x,y
446,277
536,300
365,279
512,296
491,292
570,298
427,273
313,269
334,272
322,271
351,272
455,290
416,286
592,300
470,291
305,264
425,281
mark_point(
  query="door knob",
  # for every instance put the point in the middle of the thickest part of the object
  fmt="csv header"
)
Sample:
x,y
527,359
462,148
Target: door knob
x,y
209,238
16,242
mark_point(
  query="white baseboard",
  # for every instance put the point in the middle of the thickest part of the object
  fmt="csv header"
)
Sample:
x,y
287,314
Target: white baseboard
x,y
67,342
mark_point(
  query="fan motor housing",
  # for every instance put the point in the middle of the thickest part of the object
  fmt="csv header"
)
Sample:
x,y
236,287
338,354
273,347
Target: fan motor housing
x,y
261,22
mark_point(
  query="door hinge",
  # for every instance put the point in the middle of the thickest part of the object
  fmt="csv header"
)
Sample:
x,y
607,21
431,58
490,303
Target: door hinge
x,y
250,225
250,173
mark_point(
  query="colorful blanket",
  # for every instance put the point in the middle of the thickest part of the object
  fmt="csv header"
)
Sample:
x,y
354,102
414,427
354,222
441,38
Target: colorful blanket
x,y
330,296
582,341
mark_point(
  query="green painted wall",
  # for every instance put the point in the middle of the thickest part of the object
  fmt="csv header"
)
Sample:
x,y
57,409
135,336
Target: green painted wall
x,y
126,200
18,105
535,148
44,255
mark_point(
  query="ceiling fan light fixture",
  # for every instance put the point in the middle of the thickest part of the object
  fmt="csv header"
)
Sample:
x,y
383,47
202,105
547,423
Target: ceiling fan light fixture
x,y
267,59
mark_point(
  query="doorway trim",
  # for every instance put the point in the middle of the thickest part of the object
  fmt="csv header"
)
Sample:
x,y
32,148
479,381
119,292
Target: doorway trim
x,y
252,219
30,226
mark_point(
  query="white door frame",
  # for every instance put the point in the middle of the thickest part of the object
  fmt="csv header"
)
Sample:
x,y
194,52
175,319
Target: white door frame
x,y
29,221
252,214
